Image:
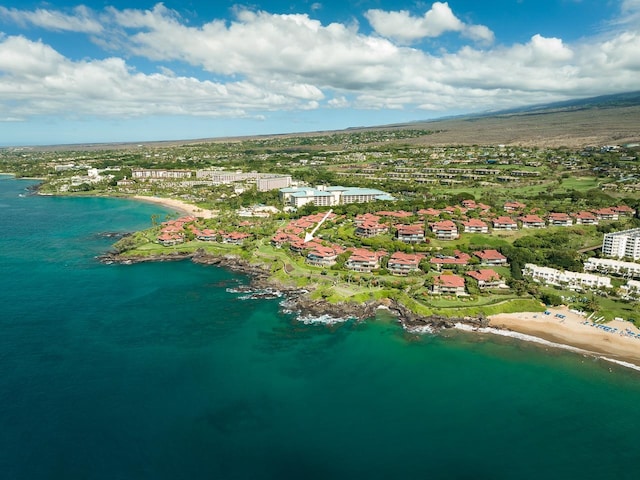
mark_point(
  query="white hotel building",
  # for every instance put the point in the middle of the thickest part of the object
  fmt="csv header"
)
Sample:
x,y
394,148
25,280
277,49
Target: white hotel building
x,y
609,265
571,280
622,244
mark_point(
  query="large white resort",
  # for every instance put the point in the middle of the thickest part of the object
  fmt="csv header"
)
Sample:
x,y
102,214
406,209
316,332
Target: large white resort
x,y
322,196
622,244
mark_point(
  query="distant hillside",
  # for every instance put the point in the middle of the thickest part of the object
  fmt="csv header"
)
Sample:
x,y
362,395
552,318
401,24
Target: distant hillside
x,y
604,120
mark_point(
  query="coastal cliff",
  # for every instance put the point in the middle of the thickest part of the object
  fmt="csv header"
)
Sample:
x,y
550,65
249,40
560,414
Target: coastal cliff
x,y
300,300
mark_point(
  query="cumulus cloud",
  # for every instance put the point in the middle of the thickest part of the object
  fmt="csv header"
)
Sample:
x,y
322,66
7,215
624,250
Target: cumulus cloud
x,y
404,27
259,62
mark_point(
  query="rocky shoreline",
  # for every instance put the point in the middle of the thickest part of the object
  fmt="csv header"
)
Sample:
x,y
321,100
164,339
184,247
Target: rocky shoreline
x,y
299,301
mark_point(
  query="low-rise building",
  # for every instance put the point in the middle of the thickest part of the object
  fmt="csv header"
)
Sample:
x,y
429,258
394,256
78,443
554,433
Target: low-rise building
x,y
606,214
371,229
514,206
474,225
402,264
491,257
448,285
611,266
504,223
571,280
487,278
532,221
323,256
445,230
458,258
410,233
559,219
364,260
585,218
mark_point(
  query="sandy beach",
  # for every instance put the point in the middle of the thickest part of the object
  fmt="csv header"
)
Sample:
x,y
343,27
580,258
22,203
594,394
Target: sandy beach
x,y
616,342
178,205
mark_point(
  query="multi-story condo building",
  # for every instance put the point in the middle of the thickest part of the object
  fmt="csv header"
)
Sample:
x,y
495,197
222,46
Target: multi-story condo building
x,y
445,230
532,221
559,220
475,225
622,244
609,265
571,280
410,233
401,263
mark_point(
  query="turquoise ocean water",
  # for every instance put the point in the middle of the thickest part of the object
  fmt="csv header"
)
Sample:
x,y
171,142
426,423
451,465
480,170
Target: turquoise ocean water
x,y
157,371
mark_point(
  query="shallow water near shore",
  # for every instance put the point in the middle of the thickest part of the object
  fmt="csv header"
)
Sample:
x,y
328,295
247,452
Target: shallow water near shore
x,y
161,371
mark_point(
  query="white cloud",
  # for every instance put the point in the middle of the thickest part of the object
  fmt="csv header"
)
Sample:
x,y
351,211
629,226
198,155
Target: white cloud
x,y
261,62
404,27
80,21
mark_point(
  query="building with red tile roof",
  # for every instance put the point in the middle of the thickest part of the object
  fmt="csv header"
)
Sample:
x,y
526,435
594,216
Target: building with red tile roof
x,y
513,206
504,223
491,257
487,278
532,221
448,285
475,225
585,218
364,260
558,219
445,230
402,264
410,233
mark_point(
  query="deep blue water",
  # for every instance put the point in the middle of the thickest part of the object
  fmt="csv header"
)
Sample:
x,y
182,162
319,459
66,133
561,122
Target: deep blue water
x,y
156,371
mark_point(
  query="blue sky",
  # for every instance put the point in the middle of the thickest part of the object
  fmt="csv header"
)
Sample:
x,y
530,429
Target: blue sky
x,y
135,71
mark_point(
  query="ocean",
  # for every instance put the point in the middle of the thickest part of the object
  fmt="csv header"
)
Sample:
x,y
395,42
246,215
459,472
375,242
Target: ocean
x,y
163,371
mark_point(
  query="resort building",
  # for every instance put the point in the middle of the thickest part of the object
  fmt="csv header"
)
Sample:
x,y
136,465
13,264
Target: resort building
x,y
606,214
514,206
504,223
323,256
445,230
371,229
448,285
622,244
234,238
491,257
364,260
474,225
632,289
265,182
532,221
487,278
329,196
585,218
403,264
159,174
611,266
410,233
459,258
624,211
571,280
559,220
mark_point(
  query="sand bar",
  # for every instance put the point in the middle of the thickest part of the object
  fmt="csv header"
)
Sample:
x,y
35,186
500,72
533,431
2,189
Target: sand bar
x,y
178,205
621,342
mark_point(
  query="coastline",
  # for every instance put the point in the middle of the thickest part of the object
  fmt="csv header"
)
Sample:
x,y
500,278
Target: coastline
x,y
569,332
575,332
178,205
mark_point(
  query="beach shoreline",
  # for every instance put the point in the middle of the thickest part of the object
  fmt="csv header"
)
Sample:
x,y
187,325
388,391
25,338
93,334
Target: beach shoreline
x,y
178,205
617,341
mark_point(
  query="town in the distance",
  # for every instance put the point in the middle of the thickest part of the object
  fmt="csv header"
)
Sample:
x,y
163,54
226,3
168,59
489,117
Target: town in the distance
x,y
366,215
